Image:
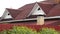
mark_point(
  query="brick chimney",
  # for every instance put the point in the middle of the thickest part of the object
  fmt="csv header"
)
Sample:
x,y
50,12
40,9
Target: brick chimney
x,y
40,20
55,1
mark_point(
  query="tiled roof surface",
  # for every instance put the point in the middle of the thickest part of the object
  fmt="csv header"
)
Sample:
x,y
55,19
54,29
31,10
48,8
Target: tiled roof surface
x,y
48,7
55,11
25,11
13,12
52,22
55,23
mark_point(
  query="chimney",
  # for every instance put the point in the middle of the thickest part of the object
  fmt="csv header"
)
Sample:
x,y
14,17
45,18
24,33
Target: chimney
x,y
55,1
40,20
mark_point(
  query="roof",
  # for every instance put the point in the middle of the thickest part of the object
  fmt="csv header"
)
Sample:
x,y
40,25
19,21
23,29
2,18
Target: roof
x,y
27,9
13,12
26,6
51,9
55,11
23,12
46,6
50,22
53,23
30,21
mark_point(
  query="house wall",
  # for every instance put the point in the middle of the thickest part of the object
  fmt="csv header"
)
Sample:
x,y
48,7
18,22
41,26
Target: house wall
x,y
36,11
5,15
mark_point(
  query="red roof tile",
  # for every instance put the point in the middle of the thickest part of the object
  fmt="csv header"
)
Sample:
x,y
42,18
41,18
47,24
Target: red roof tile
x,y
55,23
27,6
14,12
26,10
46,6
50,22
55,11
23,12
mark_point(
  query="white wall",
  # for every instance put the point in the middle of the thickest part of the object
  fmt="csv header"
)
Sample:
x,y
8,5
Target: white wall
x,y
5,15
38,12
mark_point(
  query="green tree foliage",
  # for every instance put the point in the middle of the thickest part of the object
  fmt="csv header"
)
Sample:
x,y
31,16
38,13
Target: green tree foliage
x,y
19,30
25,30
48,31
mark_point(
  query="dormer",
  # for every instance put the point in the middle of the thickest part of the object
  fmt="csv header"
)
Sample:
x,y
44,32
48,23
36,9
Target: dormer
x,y
37,10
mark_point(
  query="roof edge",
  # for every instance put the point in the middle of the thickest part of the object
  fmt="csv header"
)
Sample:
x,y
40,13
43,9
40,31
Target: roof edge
x,y
32,19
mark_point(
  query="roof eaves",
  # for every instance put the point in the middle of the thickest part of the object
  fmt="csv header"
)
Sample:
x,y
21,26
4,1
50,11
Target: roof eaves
x,y
32,19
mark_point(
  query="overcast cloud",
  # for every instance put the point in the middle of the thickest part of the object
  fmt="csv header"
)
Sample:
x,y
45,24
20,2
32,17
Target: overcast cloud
x,y
14,4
